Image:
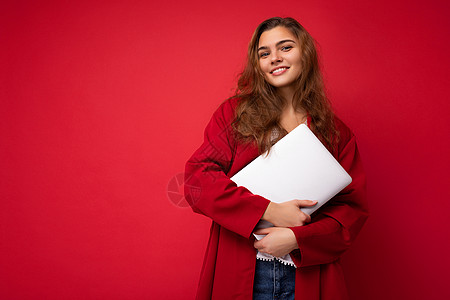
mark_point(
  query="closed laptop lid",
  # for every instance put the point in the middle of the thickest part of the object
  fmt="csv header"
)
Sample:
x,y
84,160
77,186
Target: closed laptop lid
x,y
297,167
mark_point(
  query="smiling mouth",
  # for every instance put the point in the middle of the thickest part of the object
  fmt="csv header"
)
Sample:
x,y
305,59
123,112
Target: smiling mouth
x,y
278,71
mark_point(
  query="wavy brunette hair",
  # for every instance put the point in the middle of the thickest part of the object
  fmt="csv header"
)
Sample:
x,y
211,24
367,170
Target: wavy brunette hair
x,y
259,107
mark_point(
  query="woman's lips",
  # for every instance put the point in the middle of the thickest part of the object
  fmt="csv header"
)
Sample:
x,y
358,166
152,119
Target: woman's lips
x,y
279,71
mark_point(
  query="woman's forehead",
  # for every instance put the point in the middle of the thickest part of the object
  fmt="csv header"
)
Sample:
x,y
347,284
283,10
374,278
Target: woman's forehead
x,y
274,35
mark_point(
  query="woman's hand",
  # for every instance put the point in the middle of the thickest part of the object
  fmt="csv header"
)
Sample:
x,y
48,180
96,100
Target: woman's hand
x,y
288,214
278,241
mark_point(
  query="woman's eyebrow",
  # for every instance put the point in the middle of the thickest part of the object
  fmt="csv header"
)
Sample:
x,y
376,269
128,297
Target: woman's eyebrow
x,y
277,44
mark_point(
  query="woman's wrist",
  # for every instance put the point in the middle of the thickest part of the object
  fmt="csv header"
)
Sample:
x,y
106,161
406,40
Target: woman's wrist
x,y
294,243
269,213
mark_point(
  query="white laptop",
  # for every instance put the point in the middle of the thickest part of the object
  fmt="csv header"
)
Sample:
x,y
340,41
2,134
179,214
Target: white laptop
x,y
297,167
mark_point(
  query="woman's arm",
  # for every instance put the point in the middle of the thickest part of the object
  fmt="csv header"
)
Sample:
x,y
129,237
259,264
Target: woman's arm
x,y
209,190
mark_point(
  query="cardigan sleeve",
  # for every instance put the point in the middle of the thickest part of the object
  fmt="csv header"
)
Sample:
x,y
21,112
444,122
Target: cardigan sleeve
x,y
335,225
209,190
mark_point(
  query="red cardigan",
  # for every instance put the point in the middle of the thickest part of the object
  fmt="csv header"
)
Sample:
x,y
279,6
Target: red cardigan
x,y
229,263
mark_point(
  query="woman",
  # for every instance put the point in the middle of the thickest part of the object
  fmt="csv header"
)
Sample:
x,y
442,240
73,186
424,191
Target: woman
x,y
280,88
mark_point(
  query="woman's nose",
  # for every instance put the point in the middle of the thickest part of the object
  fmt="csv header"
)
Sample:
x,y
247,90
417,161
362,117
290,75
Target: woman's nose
x,y
275,57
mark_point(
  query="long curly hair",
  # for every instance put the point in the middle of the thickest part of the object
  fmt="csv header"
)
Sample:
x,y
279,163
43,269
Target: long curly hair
x,y
259,107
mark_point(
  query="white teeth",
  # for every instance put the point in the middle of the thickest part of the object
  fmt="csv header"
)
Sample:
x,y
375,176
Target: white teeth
x,y
278,70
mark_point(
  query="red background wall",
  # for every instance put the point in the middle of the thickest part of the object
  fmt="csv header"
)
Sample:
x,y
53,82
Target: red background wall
x,y
103,102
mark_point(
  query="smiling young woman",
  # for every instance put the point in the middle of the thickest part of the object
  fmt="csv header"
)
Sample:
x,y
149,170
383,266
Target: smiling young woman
x,y
299,258
280,62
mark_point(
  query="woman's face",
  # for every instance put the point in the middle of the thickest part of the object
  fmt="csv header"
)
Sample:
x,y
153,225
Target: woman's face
x,y
279,57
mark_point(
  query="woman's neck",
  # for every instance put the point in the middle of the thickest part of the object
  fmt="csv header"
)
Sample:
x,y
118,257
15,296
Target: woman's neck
x,y
291,117
287,93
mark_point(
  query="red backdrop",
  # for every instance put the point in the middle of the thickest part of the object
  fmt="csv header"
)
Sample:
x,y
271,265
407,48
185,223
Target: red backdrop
x,y
103,102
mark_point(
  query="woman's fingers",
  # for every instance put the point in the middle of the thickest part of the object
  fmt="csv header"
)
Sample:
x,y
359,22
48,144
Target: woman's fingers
x,y
288,213
305,203
278,242
262,231
307,218
261,244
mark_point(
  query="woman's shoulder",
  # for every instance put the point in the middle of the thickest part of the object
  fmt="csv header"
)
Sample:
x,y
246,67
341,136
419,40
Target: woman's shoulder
x,y
226,110
230,103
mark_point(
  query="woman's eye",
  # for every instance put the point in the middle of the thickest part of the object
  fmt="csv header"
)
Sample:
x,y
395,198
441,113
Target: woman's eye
x,y
286,48
263,54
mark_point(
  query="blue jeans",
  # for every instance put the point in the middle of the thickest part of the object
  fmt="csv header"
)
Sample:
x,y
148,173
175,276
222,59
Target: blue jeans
x,y
273,280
